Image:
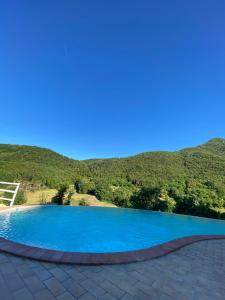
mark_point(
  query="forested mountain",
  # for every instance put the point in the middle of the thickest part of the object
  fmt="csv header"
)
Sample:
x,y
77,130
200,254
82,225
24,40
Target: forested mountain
x,y
39,166
195,173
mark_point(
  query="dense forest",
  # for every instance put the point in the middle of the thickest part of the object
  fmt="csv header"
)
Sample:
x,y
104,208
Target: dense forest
x,y
190,181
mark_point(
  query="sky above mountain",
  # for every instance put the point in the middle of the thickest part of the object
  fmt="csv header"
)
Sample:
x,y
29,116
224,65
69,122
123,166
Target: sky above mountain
x,y
112,78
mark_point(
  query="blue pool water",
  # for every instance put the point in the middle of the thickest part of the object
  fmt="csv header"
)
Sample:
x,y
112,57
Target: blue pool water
x,y
96,229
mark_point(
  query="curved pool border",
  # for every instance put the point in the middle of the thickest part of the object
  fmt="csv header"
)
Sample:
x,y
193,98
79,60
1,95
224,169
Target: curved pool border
x,y
82,258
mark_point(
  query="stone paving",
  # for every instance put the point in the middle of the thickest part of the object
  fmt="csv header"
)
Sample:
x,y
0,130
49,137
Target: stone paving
x,y
194,272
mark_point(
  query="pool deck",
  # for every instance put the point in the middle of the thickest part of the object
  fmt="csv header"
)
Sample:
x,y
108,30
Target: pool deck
x,y
196,271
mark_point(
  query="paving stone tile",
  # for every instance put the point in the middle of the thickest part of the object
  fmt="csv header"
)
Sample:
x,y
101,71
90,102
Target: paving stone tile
x,y
23,294
68,267
17,261
147,277
65,296
59,274
96,269
112,289
92,288
127,287
133,266
3,258
32,263
13,281
107,296
147,289
7,268
118,277
42,273
5,293
127,297
76,275
49,266
44,294
24,270
87,296
139,295
166,297
96,277
54,286
74,288
34,284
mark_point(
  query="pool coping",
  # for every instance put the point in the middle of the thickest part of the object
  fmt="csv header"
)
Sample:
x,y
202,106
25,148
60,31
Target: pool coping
x,y
81,258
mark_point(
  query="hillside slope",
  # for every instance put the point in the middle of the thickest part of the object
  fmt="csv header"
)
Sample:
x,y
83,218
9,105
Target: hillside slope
x,y
36,165
202,163
48,168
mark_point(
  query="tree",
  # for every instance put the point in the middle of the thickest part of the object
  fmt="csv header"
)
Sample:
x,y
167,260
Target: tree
x,y
84,186
70,192
146,198
165,203
153,198
103,192
59,198
121,196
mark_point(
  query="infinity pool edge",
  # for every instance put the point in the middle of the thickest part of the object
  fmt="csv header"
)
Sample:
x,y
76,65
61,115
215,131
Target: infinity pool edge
x,y
81,258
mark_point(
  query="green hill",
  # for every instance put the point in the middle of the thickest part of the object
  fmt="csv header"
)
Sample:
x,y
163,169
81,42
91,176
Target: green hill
x,y
197,173
37,166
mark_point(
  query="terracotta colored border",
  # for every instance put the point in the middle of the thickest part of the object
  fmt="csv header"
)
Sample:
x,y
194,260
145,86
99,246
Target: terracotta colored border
x,y
100,258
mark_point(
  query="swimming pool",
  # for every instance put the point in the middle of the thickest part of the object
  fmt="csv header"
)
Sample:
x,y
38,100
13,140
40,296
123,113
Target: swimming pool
x,y
100,230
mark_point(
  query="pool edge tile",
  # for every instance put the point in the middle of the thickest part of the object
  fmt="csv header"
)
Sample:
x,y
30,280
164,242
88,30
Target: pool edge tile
x,y
55,256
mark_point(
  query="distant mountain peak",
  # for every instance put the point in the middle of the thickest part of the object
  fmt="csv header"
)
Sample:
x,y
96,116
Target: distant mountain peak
x,y
215,145
216,140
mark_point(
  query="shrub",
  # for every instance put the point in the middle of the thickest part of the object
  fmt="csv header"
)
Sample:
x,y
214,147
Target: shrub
x,y
83,202
153,198
20,198
60,196
69,195
121,196
84,186
146,198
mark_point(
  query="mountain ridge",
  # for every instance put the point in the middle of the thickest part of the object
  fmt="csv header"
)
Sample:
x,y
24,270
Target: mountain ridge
x,y
214,142
49,168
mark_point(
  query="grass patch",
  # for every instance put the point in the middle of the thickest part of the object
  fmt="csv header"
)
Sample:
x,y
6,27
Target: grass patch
x,y
45,196
89,200
41,196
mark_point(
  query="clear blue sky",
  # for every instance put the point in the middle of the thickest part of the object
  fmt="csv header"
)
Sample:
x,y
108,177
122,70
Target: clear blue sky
x,y
112,78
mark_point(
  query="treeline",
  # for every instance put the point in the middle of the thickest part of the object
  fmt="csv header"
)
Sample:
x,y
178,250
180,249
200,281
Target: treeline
x,y
185,197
